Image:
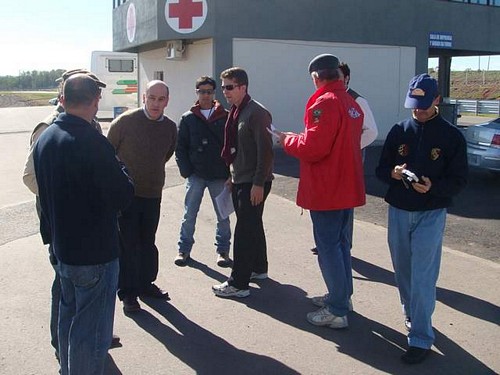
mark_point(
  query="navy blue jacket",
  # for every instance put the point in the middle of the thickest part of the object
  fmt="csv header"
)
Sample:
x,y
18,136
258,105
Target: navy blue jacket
x,y
82,187
199,144
435,149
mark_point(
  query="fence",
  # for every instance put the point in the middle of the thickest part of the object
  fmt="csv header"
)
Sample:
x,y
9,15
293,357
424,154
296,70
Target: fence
x,y
478,107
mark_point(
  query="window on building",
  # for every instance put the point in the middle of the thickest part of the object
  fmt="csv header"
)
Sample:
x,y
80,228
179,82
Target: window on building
x,y
120,65
158,75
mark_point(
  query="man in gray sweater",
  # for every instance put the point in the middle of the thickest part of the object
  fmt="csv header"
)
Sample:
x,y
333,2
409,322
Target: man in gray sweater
x,y
248,148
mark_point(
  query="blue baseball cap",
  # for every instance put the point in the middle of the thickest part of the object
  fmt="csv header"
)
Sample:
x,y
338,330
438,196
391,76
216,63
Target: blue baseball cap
x,y
422,91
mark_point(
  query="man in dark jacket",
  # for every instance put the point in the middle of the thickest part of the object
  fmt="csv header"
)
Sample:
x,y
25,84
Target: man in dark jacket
x,y
82,187
424,162
199,146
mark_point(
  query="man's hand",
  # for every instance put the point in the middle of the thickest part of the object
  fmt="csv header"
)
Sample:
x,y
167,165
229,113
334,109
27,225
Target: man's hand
x,y
397,171
282,136
229,184
256,195
422,188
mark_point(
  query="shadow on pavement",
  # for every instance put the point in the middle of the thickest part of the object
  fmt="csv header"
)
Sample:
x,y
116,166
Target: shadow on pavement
x,y
464,303
111,368
201,350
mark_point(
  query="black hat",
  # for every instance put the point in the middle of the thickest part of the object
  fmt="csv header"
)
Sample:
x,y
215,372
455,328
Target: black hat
x,y
324,61
72,72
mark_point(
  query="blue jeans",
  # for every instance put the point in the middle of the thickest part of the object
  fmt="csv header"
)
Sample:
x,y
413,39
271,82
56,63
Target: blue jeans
x,y
195,188
86,314
415,239
332,234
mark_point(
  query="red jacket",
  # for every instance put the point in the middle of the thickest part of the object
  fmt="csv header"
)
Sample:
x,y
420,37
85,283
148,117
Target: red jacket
x,y
331,169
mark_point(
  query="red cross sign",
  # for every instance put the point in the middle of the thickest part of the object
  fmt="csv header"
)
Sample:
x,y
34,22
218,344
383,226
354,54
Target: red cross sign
x,y
185,16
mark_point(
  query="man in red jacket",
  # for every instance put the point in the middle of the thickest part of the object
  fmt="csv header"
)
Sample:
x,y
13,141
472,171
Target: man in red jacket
x,y
331,181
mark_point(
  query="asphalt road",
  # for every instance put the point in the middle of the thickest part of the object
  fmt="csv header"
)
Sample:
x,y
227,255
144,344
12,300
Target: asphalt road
x,y
472,226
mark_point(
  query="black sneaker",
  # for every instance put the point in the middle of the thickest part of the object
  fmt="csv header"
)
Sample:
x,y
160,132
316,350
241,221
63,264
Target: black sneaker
x,y
181,259
223,260
153,291
130,304
415,355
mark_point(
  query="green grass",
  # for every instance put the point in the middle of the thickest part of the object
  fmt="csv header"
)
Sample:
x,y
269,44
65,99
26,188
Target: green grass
x,y
474,85
29,98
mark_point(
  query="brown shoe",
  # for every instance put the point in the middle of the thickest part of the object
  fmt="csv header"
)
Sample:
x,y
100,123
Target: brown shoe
x,y
153,291
130,304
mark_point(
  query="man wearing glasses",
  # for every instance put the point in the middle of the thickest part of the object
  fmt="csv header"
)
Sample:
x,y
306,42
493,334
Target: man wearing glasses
x,y
248,148
198,155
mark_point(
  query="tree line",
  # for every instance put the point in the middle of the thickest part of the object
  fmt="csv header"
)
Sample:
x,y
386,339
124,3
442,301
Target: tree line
x,y
31,80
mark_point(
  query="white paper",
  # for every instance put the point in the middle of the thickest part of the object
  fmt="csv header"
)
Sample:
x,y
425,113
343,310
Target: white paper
x,y
224,203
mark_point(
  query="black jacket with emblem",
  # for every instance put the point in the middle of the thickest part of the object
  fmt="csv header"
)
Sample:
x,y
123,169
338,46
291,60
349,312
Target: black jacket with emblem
x,y
199,143
435,149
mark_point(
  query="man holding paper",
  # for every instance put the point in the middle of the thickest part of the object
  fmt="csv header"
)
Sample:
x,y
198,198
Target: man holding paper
x,y
198,155
248,148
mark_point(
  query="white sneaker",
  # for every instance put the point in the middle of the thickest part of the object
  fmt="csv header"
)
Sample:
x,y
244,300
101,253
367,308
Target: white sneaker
x,y
226,290
323,317
320,301
258,276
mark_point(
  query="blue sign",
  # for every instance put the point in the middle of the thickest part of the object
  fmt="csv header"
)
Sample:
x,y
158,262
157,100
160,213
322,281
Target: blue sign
x,y
440,40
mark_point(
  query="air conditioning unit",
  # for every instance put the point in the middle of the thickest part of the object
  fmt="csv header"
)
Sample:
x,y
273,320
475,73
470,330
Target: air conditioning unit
x,y
175,49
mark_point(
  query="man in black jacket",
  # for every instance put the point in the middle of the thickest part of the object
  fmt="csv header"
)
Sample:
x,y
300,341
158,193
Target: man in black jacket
x,y
82,187
198,155
424,162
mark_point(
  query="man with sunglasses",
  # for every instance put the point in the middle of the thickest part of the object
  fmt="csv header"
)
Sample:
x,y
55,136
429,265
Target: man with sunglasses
x,y
248,149
198,156
424,162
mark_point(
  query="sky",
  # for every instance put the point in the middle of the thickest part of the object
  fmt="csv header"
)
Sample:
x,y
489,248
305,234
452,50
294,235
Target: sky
x,y
61,34
52,34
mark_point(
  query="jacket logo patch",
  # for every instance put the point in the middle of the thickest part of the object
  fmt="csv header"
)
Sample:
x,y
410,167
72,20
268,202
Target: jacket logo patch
x,y
435,153
317,114
353,112
403,150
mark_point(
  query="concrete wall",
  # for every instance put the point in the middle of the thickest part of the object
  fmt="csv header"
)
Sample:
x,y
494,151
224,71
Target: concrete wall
x,y
278,77
180,75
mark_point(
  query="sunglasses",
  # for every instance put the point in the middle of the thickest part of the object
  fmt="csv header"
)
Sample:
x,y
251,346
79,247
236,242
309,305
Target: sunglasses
x,y
202,91
229,87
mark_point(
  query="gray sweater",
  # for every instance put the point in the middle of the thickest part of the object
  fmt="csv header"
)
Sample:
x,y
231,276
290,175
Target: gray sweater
x,y
254,158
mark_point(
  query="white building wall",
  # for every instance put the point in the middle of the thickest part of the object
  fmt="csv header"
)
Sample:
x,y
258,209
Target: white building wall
x,y
180,75
278,77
